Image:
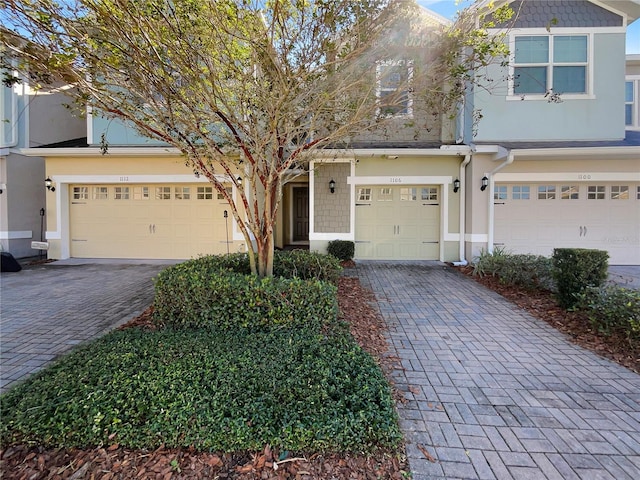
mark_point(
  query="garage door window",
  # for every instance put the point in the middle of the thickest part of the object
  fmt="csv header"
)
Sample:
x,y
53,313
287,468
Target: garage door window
x,y
546,192
386,195
141,193
121,193
221,196
364,195
430,193
204,193
163,193
569,192
521,192
620,192
596,192
638,192
80,193
182,193
408,194
100,193
500,192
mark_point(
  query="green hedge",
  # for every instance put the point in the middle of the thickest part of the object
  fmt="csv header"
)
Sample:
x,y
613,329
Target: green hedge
x,y
613,310
188,295
306,265
341,249
525,270
575,269
295,389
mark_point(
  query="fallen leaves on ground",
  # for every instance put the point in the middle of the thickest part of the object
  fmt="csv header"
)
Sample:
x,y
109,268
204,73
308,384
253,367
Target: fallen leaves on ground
x,y
115,462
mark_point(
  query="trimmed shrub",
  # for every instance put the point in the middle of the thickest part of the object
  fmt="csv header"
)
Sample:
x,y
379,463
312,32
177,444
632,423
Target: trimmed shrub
x,y
341,249
613,310
306,265
193,296
524,270
575,269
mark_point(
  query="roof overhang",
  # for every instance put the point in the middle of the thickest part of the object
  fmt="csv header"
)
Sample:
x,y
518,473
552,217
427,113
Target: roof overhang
x,y
96,151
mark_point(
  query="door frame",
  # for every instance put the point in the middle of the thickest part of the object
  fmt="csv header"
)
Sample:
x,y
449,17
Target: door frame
x,y
291,213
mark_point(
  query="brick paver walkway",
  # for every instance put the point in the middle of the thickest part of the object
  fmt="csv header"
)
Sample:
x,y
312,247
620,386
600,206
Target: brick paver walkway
x,y
495,393
47,310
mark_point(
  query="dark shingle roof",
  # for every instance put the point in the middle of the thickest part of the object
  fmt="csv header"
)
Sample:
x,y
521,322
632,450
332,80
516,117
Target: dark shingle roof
x,y
567,13
632,139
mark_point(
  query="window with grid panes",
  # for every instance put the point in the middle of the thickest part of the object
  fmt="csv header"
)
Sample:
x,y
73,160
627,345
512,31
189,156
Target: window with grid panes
x,y
500,192
364,194
619,192
546,192
221,196
521,192
121,193
408,194
569,192
141,193
596,192
100,193
182,193
163,193
204,193
80,193
386,194
429,194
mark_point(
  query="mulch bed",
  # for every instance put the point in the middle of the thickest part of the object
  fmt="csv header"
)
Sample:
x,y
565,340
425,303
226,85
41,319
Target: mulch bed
x,y
543,305
115,462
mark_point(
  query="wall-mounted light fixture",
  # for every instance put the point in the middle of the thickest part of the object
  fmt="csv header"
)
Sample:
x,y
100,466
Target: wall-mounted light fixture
x,y
49,184
485,182
456,185
332,185
239,181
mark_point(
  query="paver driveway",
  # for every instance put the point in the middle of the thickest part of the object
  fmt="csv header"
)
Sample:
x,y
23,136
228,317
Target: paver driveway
x,y
48,309
496,393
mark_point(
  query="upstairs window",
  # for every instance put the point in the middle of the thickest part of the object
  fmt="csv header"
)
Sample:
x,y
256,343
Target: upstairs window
x,y
557,63
394,94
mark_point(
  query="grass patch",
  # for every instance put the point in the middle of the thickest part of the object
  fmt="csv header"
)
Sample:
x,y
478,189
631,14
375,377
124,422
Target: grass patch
x,y
231,390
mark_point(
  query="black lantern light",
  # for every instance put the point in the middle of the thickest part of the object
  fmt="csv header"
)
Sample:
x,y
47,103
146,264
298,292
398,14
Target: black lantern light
x,y
49,184
485,182
456,185
332,185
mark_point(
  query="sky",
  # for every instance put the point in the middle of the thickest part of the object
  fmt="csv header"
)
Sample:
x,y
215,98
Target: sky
x,y
448,8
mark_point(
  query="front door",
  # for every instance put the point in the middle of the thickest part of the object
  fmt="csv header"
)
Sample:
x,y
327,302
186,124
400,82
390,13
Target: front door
x,y
300,214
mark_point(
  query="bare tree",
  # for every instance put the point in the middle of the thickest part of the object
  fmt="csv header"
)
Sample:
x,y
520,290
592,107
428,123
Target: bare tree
x,y
247,90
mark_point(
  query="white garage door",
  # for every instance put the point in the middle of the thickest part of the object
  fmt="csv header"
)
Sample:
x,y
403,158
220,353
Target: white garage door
x,y
536,218
397,223
146,221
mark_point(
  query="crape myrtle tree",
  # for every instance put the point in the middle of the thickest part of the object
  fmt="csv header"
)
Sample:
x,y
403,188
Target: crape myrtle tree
x,y
246,90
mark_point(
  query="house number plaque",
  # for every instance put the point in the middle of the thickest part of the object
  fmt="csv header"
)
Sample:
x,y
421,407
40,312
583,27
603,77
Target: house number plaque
x,y
395,180
124,179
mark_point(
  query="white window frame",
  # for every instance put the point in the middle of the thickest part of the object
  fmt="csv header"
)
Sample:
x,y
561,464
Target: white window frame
x,y
557,32
521,192
409,89
635,103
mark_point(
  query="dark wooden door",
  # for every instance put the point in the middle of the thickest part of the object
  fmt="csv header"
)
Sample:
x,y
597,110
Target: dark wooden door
x,y
300,214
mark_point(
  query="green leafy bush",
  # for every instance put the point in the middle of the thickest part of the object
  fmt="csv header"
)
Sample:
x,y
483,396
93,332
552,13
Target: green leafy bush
x,y
293,388
341,249
188,295
613,310
306,265
575,269
525,270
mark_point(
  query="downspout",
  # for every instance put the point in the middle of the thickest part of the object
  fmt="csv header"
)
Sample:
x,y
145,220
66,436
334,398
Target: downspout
x,y
463,168
490,227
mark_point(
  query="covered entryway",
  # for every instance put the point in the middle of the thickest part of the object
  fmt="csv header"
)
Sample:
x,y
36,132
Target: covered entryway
x,y
536,218
147,221
397,222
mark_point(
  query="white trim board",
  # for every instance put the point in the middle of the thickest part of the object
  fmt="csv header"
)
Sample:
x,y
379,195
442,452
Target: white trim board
x,y
585,176
15,234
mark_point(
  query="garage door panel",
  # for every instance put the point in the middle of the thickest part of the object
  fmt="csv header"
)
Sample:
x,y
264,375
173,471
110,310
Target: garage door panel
x,y
395,222
147,222
595,219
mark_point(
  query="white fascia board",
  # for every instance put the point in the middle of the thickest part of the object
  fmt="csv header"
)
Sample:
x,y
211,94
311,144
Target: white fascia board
x,y
444,150
95,151
597,152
